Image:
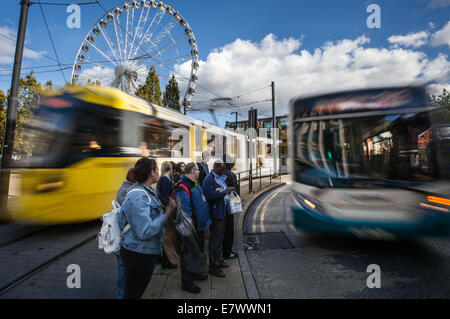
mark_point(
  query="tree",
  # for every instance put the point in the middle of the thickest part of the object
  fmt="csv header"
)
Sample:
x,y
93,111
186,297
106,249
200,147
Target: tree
x,y
172,95
442,115
2,116
30,91
151,90
29,94
443,99
96,83
70,84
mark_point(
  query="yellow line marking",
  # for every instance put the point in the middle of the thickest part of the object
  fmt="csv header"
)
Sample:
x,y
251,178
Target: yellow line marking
x,y
261,223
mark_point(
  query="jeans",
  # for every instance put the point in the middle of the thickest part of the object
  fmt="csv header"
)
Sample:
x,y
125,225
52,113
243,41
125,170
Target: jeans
x,y
120,277
138,272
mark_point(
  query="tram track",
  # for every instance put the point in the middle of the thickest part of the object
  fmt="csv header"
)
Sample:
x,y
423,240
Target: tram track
x,y
17,238
41,267
49,245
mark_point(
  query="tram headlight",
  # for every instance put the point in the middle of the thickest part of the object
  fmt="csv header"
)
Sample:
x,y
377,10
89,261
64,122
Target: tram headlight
x,y
50,183
47,187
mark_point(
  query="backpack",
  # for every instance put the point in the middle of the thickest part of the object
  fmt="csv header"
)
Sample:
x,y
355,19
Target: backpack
x,y
194,214
110,236
179,184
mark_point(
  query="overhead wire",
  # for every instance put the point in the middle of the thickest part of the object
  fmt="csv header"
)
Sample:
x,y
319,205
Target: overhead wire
x,y
241,95
64,4
46,56
46,71
62,64
51,39
146,56
153,58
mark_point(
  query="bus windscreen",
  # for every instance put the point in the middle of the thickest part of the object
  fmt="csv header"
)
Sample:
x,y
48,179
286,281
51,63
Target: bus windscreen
x,y
376,151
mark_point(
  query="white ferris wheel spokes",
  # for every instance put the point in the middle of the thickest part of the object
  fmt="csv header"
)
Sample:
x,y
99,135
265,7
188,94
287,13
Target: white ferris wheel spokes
x,y
121,47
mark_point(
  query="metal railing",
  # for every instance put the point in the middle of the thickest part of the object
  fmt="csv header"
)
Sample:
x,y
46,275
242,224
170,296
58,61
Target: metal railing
x,y
253,175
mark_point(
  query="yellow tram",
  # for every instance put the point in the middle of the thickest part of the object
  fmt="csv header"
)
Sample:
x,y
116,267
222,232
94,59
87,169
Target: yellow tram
x,y
84,140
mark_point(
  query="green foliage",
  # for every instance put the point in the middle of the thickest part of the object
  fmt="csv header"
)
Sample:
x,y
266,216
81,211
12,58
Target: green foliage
x,y
172,95
29,93
90,82
442,115
70,84
151,90
3,102
443,99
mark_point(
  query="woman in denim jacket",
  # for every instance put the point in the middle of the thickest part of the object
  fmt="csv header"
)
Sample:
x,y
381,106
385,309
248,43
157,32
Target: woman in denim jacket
x,y
142,243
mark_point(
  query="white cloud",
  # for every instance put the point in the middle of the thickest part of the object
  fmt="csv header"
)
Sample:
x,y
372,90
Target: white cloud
x,y
242,66
411,40
442,36
436,89
8,47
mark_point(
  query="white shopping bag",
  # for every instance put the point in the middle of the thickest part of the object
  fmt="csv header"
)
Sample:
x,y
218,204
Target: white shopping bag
x,y
235,203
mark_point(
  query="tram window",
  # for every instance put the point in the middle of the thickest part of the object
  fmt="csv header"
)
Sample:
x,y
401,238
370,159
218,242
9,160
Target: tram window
x,y
168,140
96,134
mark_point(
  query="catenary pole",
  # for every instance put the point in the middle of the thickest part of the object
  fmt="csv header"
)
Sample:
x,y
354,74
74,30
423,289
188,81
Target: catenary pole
x,y
236,122
274,153
8,140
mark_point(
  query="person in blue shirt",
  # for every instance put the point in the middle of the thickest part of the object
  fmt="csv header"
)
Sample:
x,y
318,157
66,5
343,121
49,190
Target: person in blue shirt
x,y
142,242
215,189
195,205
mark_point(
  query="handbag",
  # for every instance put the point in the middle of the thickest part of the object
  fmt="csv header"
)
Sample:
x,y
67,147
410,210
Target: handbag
x,y
235,203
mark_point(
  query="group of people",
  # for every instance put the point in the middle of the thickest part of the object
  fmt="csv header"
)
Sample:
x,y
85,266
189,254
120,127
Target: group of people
x,y
201,195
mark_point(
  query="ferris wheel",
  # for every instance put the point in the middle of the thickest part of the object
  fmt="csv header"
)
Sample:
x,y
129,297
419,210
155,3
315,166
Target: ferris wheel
x,y
125,42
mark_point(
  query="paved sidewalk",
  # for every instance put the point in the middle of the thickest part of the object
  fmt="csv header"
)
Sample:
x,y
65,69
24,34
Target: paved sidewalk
x,y
166,284
238,283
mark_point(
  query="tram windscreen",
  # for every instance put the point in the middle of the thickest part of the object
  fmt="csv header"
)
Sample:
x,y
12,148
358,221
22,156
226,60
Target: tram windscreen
x,y
372,151
46,133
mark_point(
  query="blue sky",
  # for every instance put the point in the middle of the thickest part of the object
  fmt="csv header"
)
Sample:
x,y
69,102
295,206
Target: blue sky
x,y
304,46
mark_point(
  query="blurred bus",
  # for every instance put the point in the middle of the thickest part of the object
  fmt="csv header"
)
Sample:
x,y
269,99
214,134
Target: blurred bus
x,y
435,141
358,168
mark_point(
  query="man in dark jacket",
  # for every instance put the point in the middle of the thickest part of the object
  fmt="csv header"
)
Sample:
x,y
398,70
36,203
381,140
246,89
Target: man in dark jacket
x,y
165,184
215,189
195,205
165,189
203,167
228,240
